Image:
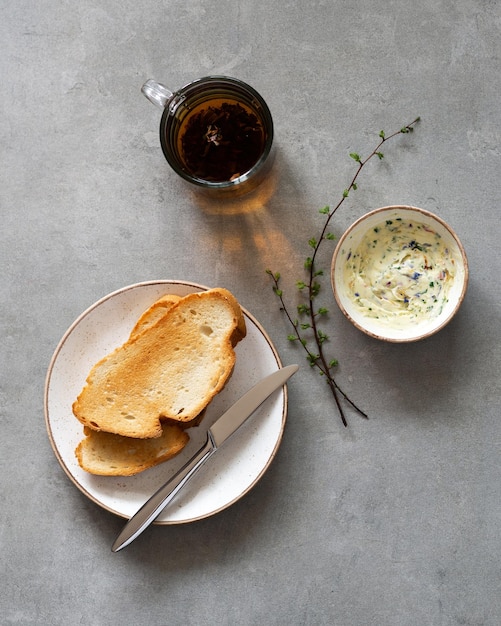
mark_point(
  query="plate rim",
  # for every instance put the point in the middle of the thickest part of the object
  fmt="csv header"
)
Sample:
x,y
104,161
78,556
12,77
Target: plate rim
x,y
48,378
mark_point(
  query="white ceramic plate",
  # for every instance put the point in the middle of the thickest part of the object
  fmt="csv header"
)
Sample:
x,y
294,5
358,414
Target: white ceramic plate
x,y
227,476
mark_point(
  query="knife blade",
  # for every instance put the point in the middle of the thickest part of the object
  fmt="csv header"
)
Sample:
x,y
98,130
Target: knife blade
x,y
217,434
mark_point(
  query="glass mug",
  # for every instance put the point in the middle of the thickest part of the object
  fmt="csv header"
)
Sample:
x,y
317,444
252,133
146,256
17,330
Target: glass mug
x,y
216,132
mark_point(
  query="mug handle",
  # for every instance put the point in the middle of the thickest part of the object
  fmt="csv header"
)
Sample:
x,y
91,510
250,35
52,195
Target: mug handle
x,y
156,93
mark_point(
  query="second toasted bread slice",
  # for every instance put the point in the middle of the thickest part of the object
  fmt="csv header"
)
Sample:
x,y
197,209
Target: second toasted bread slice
x,y
105,454
157,310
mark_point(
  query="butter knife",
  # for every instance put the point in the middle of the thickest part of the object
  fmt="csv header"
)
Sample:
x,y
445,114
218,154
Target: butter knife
x,y
217,434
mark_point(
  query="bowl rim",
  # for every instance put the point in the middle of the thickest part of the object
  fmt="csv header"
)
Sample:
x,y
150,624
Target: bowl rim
x,y
424,213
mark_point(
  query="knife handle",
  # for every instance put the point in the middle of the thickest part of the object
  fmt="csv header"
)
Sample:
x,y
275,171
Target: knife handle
x,y
161,498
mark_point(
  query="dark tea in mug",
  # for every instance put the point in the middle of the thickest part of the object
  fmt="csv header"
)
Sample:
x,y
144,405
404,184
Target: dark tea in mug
x,y
220,140
216,132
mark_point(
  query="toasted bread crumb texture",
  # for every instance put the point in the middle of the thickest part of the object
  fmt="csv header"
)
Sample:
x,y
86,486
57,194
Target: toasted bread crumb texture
x,y
171,369
157,310
105,454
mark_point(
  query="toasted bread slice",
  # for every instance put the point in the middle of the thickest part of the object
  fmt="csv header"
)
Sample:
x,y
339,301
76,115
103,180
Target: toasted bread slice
x,y
150,317
158,310
172,369
105,454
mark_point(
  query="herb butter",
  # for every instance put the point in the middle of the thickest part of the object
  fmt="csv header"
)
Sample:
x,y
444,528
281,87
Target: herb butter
x,y
400,273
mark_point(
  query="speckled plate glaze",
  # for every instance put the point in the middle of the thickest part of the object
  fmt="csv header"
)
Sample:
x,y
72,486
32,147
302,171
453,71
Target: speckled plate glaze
x,y
228,475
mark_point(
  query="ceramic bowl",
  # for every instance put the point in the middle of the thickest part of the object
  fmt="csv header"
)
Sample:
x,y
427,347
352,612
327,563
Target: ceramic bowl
x,y
399,273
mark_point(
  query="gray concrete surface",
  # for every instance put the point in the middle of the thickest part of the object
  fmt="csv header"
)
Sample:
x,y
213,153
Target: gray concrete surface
x,y
393,521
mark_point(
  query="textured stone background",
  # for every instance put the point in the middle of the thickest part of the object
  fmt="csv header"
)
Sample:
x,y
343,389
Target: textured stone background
x,y
391,522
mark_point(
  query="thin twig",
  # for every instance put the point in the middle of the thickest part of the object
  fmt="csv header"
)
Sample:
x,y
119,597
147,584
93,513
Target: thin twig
x,y
319,360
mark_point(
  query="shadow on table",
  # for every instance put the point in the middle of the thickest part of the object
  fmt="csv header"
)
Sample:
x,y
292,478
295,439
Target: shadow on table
x,y
257,231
